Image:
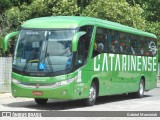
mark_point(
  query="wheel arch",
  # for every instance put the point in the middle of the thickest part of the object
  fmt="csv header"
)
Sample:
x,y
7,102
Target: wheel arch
x,y
96,81
144,80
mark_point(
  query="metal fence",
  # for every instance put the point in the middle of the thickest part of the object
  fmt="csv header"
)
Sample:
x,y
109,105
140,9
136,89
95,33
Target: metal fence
x,y
5,74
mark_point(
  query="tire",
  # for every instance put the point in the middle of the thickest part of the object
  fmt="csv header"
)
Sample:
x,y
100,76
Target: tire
x,y
140,92
41,101
90,101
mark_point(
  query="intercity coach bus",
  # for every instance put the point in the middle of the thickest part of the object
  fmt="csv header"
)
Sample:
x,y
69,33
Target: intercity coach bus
x,y
73,57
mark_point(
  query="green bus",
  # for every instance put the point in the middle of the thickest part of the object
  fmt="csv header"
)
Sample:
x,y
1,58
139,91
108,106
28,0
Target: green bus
x,y
74,57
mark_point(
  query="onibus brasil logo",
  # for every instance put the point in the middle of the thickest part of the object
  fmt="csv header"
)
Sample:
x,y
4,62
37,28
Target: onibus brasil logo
x,y
152,47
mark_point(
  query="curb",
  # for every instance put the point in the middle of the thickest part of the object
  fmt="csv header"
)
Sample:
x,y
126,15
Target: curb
x,y
5,95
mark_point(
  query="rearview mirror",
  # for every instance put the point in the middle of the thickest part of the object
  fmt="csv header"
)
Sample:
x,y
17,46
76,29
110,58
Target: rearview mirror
x,y
7,38
75,40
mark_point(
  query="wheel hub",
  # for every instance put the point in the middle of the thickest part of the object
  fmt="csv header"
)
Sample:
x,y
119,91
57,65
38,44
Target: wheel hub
x,y
92,95
141,89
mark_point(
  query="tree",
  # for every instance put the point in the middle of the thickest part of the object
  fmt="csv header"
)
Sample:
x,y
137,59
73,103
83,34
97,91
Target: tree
x,y
23,10
20,2
151,8
82,4
39,8
120,12
4,4
65,8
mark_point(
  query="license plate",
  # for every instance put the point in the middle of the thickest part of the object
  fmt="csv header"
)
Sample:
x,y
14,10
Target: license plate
x,y
37,93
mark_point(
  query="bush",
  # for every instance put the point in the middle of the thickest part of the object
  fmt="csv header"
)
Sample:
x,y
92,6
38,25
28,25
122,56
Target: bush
x,y
1,45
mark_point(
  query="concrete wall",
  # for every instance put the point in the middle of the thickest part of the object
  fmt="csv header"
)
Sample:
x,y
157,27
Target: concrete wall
x,y
5,74
159,71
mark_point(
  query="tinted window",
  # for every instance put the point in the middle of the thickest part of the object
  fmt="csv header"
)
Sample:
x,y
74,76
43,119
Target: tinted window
x,y
84,44
112,41
100,43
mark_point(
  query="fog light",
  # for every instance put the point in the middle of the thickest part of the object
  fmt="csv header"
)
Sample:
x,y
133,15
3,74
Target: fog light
x,y
64,92
15,81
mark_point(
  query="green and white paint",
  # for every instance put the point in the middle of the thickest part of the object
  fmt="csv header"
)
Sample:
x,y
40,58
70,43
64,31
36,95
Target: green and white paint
x,y
116,62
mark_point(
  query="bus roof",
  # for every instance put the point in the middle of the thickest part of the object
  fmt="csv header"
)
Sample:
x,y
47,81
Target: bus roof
x,y
76,21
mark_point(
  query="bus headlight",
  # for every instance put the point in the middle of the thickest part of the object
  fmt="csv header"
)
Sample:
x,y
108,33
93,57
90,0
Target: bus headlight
x,y
15,81
64,82
56,84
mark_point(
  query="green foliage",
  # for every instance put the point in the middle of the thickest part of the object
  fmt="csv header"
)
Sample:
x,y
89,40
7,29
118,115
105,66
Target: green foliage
x,y
1,41
38,8
153,27
1,45
20,2
82,4
151,8
120,12
141,14
12,16
65,7
4,4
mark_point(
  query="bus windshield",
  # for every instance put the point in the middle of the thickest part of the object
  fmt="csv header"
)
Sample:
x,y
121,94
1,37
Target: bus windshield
x,y
45,51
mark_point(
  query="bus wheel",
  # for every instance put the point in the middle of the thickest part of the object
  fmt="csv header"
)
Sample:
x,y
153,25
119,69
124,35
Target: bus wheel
x,y
41,101
140,92
92,95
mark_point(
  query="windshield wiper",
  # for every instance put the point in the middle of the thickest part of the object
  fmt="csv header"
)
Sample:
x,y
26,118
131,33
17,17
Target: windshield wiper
x,y
29,60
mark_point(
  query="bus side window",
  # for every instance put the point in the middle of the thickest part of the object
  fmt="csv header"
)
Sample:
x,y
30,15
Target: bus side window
x,y
142,46
146,47
113,42
99,44
116,42
129,44
80,51
123,40
134,45
110,41
84,44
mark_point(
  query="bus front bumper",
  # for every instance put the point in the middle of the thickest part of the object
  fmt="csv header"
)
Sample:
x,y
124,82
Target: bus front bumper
x,y
61,92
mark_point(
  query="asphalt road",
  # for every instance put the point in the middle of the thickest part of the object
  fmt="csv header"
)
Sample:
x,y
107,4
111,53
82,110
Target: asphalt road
x,y
150,102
